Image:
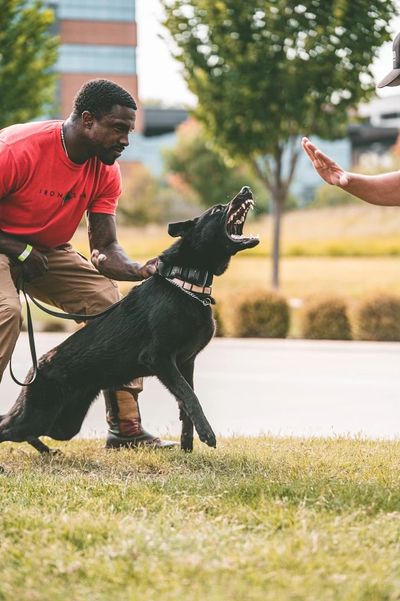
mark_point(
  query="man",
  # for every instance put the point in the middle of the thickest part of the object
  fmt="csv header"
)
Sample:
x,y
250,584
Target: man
x,y
375,189
51,173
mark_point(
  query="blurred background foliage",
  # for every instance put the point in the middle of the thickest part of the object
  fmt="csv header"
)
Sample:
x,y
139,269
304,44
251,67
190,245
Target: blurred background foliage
x,y
269,72
209,176
196,176
28,52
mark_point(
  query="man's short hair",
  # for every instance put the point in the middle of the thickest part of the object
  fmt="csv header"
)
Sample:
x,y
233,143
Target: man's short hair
x,y
98,96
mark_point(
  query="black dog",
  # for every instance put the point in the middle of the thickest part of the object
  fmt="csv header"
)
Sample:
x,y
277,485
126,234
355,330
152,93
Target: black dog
x,y
157,330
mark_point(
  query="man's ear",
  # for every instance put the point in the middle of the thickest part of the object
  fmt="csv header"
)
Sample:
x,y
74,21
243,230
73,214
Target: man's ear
x,y
87,119
180,228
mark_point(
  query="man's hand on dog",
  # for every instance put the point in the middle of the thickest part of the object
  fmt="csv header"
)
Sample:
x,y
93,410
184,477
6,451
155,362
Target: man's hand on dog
x,y
110,265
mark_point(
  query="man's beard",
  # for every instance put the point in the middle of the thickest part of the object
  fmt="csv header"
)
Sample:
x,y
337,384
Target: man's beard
x,y
107,158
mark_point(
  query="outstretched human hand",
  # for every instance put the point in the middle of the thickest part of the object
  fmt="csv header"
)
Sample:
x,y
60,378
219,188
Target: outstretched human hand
x,y
330,171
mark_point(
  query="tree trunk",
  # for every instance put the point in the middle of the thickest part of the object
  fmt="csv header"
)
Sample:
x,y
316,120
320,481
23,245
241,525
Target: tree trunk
x,y
278,188
277,205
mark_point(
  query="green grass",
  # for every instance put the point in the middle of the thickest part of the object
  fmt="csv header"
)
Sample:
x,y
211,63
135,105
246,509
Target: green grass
x,y
268,518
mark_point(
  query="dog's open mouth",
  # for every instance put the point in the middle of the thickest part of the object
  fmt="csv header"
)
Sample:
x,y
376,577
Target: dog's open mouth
x,y
236,215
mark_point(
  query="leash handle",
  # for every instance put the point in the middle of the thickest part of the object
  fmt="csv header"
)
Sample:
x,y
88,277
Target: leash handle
x,y
32,346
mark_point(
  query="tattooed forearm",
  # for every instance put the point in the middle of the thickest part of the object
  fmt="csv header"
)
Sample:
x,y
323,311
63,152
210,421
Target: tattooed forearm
x,y
108,256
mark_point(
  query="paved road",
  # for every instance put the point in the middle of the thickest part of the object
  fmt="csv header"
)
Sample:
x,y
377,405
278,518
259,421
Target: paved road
x,y
268,386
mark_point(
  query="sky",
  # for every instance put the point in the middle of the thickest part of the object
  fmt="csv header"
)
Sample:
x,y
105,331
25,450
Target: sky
x,y
160,75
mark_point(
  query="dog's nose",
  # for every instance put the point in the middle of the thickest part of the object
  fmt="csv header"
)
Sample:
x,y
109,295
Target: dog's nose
x,y
245,190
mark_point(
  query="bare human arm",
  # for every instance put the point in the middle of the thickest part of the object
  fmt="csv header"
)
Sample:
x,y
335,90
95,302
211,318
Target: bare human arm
x,y
381,190
33,266
108,256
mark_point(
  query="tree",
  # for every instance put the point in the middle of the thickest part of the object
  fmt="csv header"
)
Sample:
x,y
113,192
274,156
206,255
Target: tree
x,y
269,71
148,199
28,50
137,204
208,178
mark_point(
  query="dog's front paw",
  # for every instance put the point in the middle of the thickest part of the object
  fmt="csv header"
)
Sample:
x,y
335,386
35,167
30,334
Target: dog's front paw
x,y
187,445
208,437
211,441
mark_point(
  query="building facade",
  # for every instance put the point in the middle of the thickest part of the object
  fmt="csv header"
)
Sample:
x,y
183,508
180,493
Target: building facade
x,y
98,39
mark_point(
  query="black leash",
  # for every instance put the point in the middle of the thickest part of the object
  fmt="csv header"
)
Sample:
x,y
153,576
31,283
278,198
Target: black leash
x,y
31,336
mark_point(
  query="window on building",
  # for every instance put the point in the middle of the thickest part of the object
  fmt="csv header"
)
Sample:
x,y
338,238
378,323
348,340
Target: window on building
x,y
87,58
96,10
390,115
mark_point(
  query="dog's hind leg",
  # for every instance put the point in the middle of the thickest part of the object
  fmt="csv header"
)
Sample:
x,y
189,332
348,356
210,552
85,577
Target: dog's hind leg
x,y
69,420
33,412
187,424
168,373
39,445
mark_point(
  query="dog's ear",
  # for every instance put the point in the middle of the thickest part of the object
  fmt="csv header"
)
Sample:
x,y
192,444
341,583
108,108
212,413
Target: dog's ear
x,y
180,228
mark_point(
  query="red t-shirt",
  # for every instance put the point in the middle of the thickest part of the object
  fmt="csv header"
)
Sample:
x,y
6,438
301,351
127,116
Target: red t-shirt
x,y
43,195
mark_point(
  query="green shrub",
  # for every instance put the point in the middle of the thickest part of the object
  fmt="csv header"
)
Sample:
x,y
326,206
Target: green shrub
x,y
266,316
378,318
325,319
332,196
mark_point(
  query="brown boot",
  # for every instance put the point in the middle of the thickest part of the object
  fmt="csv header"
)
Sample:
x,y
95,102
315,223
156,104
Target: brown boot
x,y
125,424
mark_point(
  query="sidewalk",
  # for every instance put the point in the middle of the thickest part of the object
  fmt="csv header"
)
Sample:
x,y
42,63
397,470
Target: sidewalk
x,y
254,386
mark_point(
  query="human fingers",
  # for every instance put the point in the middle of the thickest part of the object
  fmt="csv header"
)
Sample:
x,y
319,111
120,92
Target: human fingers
x,y
310,150
97,257
152,264
147,270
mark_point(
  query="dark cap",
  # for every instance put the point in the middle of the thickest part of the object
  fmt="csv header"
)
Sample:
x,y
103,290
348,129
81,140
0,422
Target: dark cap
x,y
393,78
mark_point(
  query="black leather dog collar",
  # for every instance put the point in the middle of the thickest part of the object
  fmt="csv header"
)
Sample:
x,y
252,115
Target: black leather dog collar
x,y
191,275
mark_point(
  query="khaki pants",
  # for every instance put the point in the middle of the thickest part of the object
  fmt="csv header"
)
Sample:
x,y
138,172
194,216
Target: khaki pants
x,y
75,286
